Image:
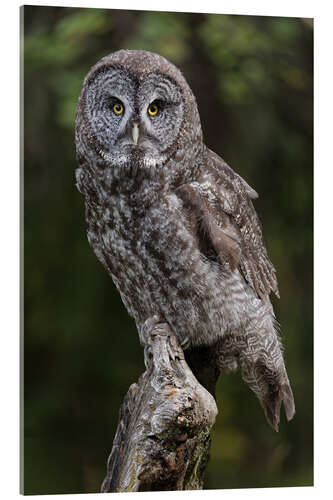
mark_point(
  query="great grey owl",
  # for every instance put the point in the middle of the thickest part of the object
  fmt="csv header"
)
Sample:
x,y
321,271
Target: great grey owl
x,y
173,224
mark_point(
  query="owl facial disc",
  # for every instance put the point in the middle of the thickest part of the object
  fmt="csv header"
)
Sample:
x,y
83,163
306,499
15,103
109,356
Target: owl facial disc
x,y
134,119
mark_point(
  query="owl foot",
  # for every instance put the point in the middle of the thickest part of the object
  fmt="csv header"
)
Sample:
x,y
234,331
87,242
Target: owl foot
x,y
145,332
147,327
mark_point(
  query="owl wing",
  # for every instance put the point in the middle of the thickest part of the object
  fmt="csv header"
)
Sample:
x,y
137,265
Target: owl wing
x,y
229,224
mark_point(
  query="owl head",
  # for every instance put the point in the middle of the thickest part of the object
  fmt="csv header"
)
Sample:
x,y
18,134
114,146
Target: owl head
x,y
136,109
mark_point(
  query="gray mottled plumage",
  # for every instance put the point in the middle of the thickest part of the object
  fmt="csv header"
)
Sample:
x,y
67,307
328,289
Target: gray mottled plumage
x,y
173,224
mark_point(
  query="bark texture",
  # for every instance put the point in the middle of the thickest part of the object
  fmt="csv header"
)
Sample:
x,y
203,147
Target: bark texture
x,y
163,436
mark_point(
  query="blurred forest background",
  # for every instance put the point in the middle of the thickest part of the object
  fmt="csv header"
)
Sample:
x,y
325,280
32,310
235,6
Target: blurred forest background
x,y
253,80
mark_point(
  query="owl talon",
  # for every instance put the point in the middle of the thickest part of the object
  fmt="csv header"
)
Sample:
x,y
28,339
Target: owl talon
x,y
185,343
171,352
147,327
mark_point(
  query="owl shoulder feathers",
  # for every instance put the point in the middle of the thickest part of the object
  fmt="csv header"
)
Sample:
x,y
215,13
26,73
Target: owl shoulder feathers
x,y
229,225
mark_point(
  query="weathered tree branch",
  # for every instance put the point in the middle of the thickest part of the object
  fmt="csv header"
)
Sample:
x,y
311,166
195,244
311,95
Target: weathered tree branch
x,y
163,436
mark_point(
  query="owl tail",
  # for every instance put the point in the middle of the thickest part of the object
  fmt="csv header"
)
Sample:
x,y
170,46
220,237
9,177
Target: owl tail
x,y
266,375
272,400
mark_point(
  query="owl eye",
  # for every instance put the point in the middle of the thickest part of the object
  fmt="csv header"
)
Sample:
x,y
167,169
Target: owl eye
x,y
153,109
118,108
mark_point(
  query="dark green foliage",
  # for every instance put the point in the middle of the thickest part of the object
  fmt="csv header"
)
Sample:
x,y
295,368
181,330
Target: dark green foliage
x,y
253,80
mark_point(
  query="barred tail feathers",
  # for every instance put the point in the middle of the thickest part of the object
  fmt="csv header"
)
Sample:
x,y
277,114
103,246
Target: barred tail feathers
x,y
258,355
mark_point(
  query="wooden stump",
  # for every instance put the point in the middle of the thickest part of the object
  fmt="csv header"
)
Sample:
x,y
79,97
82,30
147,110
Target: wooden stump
x,y
163,436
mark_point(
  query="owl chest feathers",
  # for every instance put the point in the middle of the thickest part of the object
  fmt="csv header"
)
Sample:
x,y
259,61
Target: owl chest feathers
x,y
156,262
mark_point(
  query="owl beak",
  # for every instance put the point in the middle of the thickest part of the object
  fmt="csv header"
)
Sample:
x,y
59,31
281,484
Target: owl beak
x,y
135,133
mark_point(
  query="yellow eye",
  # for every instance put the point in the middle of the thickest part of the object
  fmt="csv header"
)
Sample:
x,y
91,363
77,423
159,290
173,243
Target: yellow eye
x,y
118,108
153,109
